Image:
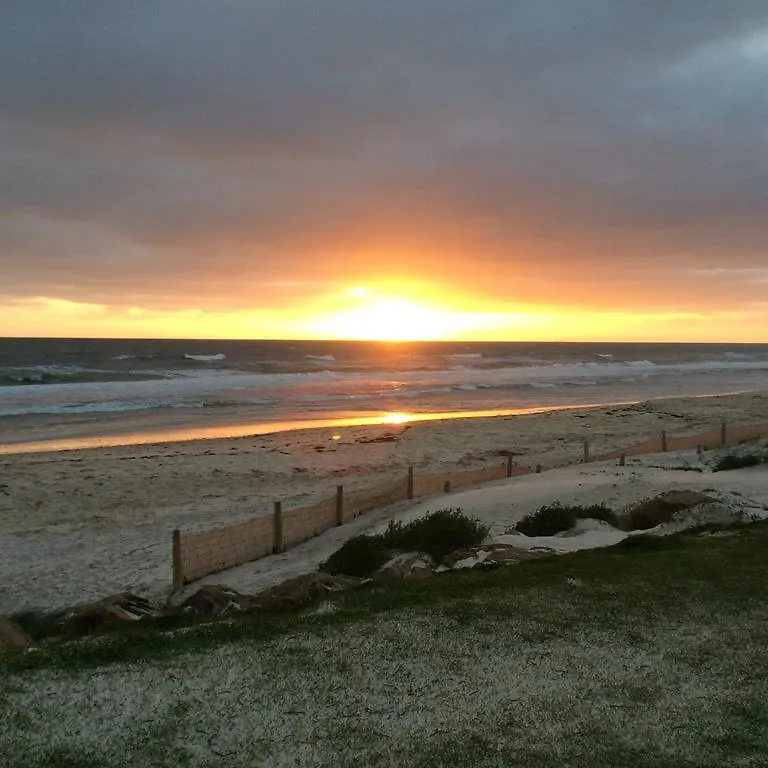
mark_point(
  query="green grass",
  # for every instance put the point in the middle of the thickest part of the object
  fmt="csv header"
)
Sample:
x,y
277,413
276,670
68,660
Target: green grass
x,y
650,655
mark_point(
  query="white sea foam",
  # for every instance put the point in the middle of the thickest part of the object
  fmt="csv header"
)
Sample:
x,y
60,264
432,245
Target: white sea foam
x,y
325,358
178,387
206,358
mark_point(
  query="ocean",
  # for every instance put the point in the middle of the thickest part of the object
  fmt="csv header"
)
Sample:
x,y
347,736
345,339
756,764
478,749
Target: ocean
x,y
76,392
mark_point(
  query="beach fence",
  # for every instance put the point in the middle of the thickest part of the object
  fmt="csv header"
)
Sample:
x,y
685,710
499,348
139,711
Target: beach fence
x,y
199,554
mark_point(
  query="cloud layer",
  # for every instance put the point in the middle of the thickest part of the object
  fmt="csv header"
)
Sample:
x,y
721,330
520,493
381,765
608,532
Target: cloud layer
x,y
235,154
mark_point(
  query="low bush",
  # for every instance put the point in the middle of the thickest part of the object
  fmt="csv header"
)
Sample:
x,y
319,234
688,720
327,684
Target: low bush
x,y
555,518
732,461
648,513
360,556
37,624
438,534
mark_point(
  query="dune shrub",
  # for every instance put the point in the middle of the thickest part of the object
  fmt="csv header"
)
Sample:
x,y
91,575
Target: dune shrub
x,y
360,556
660,509
37,624
732,461
556,518
438,534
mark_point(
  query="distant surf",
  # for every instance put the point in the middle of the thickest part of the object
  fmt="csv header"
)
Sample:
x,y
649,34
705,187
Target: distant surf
x,y
262,382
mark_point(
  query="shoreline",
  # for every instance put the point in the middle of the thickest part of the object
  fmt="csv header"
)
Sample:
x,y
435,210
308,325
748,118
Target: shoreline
x,y
233,431
100,431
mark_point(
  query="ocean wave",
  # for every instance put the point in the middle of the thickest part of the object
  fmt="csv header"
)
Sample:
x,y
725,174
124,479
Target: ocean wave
x,y
214,387
10,379
48,374
206,358
324,358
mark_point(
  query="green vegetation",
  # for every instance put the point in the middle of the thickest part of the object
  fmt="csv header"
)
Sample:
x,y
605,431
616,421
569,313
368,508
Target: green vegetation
x,y
438,534
37,624
555,518
569,660
734,461
359,556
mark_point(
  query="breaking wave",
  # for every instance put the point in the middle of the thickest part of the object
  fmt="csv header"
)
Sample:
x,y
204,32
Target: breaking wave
x,y
206,358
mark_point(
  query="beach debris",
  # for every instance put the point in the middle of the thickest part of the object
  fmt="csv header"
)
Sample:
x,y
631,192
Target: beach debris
x,y
654,511
86,618
12,635
217,599
406,565
389,437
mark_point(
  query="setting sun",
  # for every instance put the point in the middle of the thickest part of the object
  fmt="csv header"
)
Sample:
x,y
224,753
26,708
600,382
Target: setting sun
x,y
392,319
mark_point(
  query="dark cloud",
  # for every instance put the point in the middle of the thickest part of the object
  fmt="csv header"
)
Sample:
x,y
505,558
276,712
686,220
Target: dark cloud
x,y
190,152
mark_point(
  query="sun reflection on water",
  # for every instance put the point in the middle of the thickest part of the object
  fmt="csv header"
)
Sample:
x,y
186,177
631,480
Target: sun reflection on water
x,y
396,418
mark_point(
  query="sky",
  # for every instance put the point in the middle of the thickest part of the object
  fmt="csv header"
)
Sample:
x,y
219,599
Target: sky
x,y
495,169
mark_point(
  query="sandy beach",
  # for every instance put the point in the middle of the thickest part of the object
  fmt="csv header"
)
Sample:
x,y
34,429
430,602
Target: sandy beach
x,y
77,525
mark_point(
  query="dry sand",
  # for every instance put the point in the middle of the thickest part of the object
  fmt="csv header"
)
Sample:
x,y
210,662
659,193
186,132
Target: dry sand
x,y
76,525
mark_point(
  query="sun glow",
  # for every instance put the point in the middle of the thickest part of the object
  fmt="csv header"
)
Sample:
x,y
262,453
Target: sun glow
x,y
397,418
388,318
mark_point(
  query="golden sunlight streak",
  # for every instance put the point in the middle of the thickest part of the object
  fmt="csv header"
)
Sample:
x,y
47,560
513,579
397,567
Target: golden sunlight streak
x,y
396,418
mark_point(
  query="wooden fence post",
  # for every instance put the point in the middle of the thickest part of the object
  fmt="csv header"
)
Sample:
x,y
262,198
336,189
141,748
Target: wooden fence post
x,y
723,433
178,569
409,487
586,451
538,469
663,441
278,528
509,465
339,505
447,486
699,451
623,460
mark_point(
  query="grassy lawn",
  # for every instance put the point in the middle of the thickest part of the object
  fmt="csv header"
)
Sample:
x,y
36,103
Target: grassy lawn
x,y
634,656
